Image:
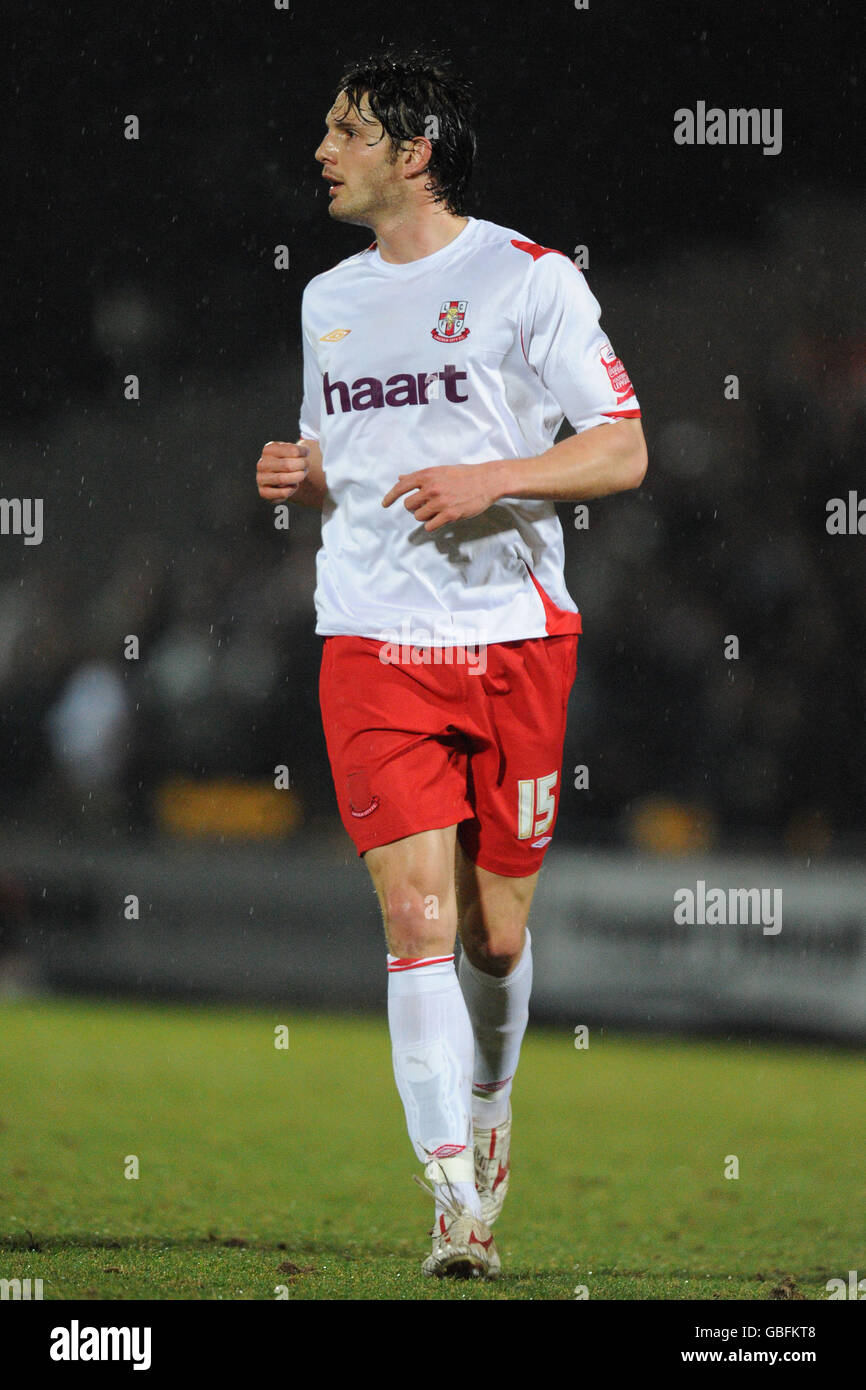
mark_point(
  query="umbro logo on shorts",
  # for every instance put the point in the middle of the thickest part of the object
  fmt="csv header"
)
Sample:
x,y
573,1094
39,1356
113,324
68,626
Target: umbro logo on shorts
x,y
539,844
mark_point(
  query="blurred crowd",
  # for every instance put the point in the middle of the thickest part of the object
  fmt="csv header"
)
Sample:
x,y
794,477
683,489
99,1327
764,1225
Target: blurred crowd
x,y
763,736
197,662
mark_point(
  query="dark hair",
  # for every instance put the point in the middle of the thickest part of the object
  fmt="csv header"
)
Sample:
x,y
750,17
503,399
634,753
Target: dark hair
x,y
405,91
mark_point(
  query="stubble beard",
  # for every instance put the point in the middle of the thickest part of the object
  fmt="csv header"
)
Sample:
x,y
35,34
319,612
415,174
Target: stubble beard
x,y
355,216
367,207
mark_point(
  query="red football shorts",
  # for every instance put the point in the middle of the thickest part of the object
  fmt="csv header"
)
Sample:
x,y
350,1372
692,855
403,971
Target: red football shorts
x,y
426,743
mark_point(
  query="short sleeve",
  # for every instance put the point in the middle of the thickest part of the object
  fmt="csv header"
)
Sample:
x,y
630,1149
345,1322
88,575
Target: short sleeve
x,y
566,346
311,403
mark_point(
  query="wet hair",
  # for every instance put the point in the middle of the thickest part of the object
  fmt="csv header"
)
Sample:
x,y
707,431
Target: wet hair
x,y
414,94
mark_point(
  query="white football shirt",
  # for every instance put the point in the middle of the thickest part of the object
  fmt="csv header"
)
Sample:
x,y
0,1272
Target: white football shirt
x,y
475,352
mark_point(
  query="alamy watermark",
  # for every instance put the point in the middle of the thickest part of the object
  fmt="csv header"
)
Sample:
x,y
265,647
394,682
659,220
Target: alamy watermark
x,y
22,516
717,907
77,1343
737,126
447,646
846,516
855,1288
20,1290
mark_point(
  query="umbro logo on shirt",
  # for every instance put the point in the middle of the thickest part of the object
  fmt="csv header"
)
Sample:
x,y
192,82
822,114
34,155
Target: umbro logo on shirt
x,y
335,335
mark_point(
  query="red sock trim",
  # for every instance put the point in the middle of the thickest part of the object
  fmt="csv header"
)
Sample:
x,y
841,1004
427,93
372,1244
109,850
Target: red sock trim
x,y
490,1085
409,963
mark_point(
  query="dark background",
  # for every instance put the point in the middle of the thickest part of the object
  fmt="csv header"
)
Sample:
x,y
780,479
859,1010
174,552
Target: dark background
x,y
156,257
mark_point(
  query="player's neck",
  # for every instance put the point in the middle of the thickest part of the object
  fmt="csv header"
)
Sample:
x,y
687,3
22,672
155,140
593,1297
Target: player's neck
x,y
410,235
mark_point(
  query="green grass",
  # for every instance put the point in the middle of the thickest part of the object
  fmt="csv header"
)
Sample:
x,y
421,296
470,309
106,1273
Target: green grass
x,y
250,1157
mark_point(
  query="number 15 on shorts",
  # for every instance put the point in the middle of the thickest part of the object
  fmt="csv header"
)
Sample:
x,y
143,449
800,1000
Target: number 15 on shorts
x,y
535,805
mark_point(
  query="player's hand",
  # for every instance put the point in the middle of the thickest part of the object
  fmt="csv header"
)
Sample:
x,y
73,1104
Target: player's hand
x,y
281,470
450,492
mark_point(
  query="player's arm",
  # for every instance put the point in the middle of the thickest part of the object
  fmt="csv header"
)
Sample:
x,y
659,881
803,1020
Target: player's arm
x,y
292,473
567,349
600,461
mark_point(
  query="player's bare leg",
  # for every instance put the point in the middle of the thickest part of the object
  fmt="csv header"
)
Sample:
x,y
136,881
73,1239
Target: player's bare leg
x,y
414,881
432,1040
494,910
496,978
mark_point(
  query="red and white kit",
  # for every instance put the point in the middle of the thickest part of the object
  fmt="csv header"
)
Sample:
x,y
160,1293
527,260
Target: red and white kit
x,y
475,352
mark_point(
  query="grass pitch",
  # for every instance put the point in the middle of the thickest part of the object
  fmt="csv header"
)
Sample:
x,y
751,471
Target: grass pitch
x,y
266,1172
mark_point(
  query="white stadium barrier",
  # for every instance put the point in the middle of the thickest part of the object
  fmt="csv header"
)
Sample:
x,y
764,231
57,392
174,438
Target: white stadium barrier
x,y
621,936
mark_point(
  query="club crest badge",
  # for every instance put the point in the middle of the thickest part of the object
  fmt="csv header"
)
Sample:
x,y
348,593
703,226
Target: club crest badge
x,y
451,318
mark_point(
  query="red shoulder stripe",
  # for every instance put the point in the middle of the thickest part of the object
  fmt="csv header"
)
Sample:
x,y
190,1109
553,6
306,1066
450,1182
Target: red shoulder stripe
x,y
533,249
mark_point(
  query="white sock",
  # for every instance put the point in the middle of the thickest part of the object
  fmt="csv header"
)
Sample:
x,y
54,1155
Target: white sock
x,y
433,1054
499,1010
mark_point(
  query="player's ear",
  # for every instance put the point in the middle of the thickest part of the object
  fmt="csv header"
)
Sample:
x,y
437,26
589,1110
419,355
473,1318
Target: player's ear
x,y
420,151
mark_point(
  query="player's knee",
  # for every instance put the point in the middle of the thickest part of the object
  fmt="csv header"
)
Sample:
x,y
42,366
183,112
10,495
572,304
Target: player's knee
x,y
495,952
416,924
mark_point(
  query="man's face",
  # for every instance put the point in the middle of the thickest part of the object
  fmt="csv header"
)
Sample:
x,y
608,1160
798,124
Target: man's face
x,y
356,153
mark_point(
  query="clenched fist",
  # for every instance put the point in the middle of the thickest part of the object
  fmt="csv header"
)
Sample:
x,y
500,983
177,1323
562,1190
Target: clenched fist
x,y
281,470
